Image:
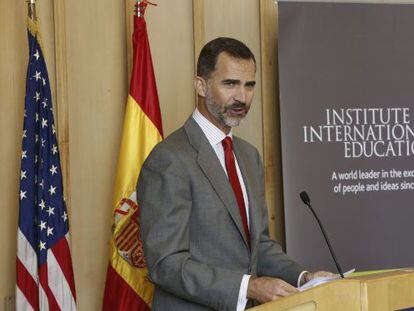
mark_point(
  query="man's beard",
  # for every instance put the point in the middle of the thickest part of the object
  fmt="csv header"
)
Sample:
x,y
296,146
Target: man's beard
x,y
220,113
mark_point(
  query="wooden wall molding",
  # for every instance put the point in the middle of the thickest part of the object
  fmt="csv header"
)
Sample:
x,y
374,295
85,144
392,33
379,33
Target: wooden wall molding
x,y
271,115
199,29
61,98
129,20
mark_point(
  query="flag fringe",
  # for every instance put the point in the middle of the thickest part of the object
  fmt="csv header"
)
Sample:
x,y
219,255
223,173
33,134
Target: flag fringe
x,y
34,28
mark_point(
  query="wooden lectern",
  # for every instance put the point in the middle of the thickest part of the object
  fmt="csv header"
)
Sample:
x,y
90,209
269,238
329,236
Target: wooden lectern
x,y
392,290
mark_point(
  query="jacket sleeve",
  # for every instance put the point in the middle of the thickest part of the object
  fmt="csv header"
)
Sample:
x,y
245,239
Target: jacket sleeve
x,y
164,197
272,261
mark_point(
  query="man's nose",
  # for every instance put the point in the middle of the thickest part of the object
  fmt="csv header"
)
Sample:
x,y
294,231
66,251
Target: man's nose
x,y
240,95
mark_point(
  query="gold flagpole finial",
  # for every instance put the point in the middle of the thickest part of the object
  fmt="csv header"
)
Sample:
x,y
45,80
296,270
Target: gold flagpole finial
x,y
140,6
31,6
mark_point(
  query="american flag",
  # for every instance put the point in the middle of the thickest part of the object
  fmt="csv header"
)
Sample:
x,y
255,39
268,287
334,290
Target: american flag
x,y
44,279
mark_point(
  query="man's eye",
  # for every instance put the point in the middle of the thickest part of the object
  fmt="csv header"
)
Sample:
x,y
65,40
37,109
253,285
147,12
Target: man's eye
x,y
230,83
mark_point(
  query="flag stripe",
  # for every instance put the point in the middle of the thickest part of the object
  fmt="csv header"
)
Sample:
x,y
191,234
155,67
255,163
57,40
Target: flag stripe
x,y
136,278
143,87
58,284
26,286
44,283
119,295
129,245
122,240
130,242
61,253
125,232
26,255
21,302
137,128
126,239
43,300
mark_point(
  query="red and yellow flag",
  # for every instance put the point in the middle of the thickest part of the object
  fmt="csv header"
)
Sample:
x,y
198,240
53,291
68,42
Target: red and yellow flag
x,y
127,286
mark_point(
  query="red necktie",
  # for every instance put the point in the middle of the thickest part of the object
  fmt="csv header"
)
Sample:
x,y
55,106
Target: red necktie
x,y
234,182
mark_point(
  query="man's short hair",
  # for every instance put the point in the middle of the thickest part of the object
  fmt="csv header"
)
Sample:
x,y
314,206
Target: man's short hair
x,y
208,56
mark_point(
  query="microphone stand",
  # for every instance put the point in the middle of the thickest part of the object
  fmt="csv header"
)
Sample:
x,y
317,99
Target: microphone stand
x,y
305,198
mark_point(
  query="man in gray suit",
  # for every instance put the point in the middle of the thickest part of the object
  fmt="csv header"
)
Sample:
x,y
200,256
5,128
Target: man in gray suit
x,y
204,222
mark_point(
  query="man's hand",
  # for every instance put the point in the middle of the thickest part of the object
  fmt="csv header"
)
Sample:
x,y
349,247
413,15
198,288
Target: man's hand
x,y
307,276
264,289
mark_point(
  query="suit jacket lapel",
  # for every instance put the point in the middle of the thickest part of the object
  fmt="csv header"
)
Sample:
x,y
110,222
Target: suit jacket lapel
x,y
210,165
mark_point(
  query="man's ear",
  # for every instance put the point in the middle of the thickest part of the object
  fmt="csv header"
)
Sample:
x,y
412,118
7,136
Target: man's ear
x,y
200,85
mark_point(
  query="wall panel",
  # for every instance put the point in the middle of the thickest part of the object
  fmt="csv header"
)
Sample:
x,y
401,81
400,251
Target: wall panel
x,y
271,119
97,90
13,60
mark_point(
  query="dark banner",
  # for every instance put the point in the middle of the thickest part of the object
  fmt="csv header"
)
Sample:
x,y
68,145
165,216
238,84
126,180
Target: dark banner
x,y
347,123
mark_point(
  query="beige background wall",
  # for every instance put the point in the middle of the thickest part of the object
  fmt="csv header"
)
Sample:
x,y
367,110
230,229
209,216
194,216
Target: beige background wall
x,y
97,90
96,34
12,88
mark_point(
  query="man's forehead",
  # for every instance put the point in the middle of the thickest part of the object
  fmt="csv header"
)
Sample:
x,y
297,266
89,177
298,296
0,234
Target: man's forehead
x,y
234,67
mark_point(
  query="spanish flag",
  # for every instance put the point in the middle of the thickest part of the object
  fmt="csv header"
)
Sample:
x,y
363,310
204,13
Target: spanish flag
x,y
127,286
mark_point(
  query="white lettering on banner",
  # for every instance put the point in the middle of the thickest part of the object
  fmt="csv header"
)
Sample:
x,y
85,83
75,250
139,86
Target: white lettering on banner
x,y
366,132
356,182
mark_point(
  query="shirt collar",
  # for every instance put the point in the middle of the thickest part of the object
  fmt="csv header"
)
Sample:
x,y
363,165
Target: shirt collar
x,y
212,132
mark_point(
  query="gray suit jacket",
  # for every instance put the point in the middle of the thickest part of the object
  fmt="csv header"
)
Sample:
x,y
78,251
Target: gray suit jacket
x,y
191,227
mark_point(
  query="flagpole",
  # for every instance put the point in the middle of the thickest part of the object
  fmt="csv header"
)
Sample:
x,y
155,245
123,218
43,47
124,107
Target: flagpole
x,y
31,7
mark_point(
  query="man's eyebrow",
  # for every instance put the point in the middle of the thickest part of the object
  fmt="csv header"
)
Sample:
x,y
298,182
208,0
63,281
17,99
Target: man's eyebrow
x,y
235,81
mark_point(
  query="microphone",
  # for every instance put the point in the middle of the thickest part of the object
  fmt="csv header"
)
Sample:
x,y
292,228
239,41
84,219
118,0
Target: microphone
x,y
306,200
